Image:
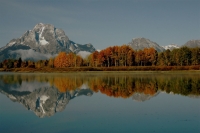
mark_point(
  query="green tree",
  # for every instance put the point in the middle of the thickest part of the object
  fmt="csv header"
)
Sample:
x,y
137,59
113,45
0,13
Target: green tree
x,y
195,59
185,56
167,57
175,57
19,62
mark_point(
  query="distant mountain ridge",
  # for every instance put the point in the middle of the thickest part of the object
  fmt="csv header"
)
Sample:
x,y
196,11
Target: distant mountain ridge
x,y
192,43
189,44
141,43
43,39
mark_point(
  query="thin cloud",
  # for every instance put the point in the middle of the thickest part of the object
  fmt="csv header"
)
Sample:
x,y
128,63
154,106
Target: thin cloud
x,y
31,54
84,54
29,86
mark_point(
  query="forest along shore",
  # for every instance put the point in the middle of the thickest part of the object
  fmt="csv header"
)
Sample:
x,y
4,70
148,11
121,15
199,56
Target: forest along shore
x,y
116,58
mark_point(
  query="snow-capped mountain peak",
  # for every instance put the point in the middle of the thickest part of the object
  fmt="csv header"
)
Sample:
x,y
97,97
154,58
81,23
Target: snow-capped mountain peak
x,y
43,39
171,46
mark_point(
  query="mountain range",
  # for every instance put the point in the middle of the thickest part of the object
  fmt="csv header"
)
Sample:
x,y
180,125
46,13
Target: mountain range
x,y
141,43
45,41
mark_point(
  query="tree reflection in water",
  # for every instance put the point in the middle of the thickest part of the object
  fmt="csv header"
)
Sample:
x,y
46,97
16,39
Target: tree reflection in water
x,y
46,94
113,85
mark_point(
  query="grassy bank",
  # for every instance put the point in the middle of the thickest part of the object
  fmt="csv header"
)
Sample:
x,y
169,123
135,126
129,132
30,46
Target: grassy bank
x,y
74,69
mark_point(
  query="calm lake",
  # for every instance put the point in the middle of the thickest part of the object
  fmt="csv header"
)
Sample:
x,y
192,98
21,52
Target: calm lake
x,y
98,102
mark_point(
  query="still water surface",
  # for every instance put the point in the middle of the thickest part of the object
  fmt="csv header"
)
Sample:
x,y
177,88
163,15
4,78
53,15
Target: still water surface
x,y
100,102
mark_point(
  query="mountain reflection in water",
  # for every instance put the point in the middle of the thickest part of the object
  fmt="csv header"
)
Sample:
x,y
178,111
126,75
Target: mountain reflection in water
x,y
46,94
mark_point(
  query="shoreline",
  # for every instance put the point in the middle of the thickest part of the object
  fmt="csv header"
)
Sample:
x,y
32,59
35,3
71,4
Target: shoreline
x,y
104,69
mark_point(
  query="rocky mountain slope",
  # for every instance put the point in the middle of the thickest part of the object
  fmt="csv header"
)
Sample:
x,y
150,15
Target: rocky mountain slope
x,y
42,39
192,43
141,43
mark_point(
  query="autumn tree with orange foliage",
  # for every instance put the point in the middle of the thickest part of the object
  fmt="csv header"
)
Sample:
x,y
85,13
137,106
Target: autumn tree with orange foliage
x,y
94,59
101,58
67,60
151,56
61,60
113,56
131,57
79,61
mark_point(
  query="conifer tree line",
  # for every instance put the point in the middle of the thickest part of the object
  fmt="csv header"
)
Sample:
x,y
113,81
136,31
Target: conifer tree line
x,y
114,56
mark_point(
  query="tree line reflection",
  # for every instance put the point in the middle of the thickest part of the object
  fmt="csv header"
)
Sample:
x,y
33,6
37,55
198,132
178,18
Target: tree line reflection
x,y
114,85
125,86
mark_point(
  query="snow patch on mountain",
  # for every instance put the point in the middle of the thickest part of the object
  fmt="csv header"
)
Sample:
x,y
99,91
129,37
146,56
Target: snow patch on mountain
x,y
171,46
43,98
42,40
11,43
12,97
71,48
84,86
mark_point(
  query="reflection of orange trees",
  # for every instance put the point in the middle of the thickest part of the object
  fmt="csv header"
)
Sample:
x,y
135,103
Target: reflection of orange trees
x,y
146,86
116,91
65,83
122,86
94,83
111,85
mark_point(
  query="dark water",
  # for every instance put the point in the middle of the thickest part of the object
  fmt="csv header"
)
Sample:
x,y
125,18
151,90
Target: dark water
x,y
100,102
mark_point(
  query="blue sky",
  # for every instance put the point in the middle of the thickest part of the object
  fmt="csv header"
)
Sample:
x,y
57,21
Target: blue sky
x,y
104,22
